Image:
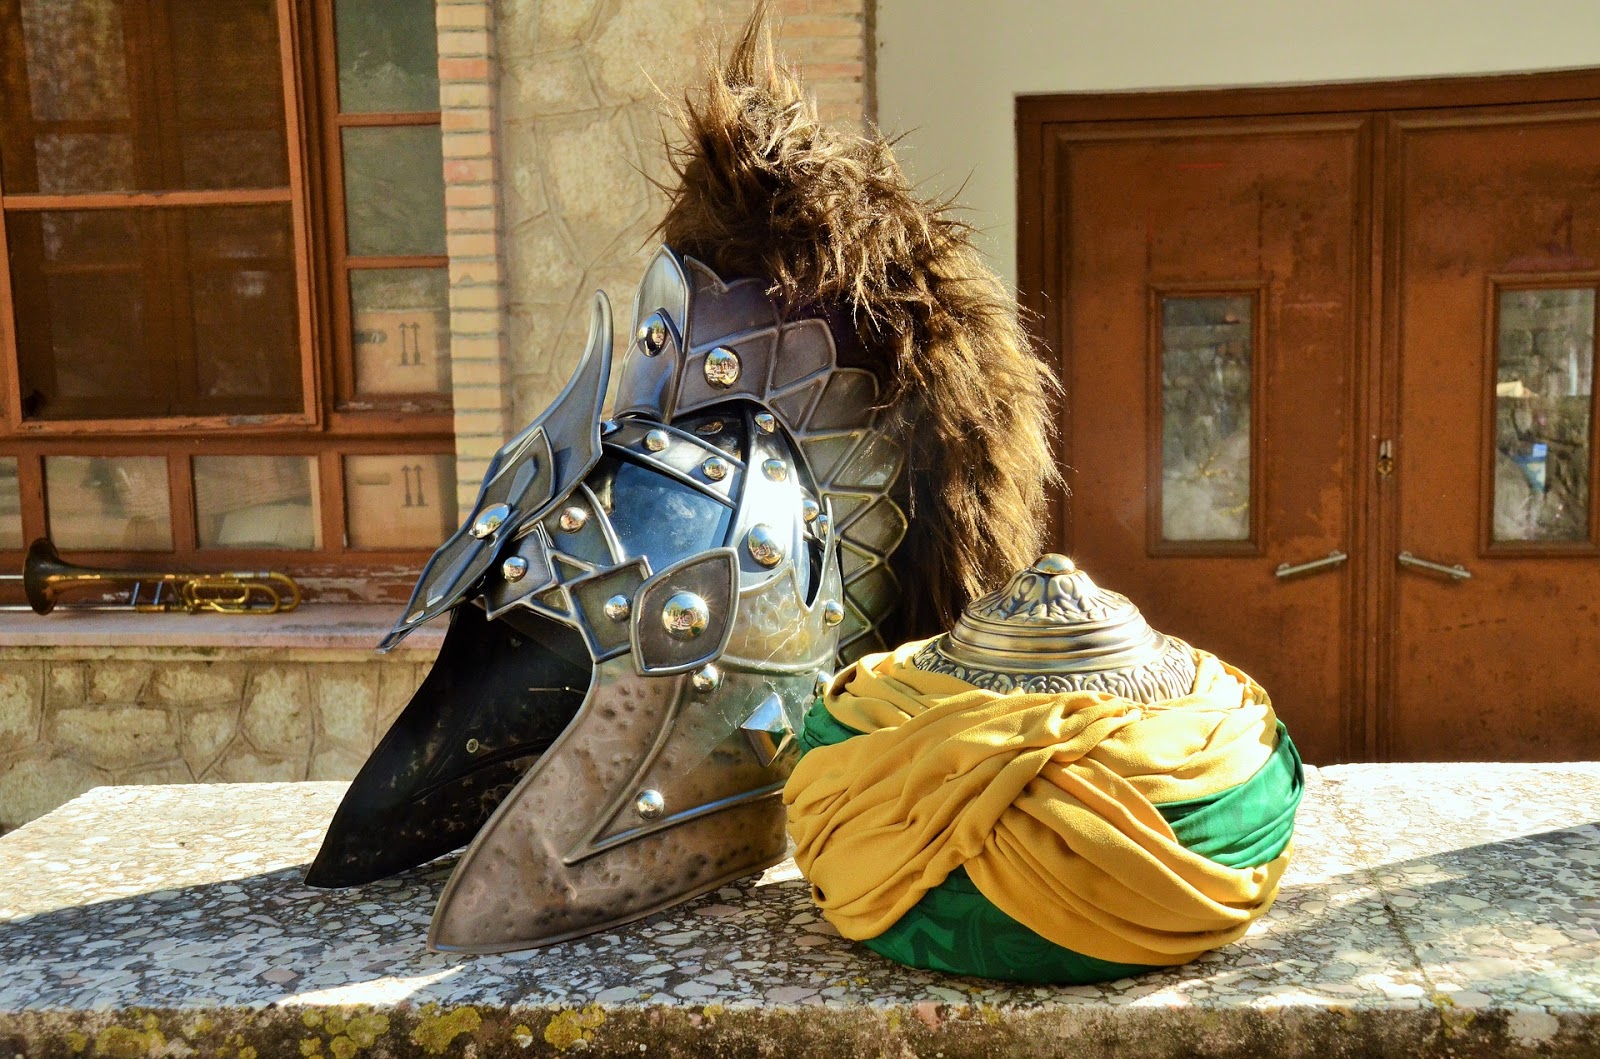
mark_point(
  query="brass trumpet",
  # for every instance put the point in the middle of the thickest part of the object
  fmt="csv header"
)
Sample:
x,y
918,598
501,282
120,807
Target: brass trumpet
x,y
45,576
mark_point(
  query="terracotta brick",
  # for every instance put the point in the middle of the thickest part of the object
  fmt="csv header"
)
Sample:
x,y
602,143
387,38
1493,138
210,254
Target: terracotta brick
x,y
456,195
824,50
814,72
465,119
836,7
463,95
476,297
470,15
472,244
473,323
476,70
476,373
477,219
468,347
485,270
465,145
480,425
468,170
464,43
796,30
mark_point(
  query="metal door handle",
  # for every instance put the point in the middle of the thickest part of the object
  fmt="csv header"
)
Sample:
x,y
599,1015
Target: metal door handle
x,y
1333,558
1455,573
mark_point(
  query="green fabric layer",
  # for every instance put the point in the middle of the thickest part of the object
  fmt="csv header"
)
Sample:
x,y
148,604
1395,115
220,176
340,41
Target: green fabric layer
x,y
955,929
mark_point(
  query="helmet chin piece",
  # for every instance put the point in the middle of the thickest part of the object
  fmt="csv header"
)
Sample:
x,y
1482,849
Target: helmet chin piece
x,y
653,600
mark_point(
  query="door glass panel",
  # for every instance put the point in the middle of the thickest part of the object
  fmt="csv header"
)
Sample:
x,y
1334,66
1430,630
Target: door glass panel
x,y
1205,417
394,190
402,502
388,56
108,503
10,507
256,502
1544,385
400,319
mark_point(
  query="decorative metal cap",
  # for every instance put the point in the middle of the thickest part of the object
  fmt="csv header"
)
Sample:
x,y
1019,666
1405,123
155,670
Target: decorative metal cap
x,y
1052,629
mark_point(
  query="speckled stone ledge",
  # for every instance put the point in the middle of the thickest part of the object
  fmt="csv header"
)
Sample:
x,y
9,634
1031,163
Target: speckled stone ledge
x,y
1431,910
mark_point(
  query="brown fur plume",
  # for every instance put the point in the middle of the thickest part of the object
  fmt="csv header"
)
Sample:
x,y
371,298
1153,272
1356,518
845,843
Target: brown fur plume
x,y
766,189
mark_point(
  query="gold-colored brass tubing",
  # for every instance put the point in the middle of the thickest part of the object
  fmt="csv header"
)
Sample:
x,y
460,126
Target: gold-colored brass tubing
x,y
45,576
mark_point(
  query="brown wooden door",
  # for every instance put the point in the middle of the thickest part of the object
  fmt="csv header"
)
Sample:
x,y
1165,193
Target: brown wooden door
x,y
1213,279
1494,225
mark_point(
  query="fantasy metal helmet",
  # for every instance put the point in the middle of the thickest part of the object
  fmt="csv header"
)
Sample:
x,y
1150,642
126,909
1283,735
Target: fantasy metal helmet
x,y
641,607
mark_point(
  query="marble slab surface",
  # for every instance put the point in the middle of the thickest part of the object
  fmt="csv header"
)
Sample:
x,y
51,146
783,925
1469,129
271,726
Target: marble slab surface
x,y
1430,910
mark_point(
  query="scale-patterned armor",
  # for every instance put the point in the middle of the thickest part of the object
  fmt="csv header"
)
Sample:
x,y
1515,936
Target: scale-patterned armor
x,y
652,601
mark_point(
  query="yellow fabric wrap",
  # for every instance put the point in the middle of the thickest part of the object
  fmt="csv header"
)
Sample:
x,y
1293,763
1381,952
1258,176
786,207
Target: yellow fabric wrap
x,y
1045,799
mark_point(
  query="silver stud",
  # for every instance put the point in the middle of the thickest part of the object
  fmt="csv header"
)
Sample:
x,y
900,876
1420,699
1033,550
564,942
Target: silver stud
x,y
490,519
656,440
685,616
722,367
574,519
766,422
810,508
709,427
821,526
618,607
775,469
764,545
820,687
716,468
767,729
415,616
514,568
653,335
473,746
707,678
649,805
832,613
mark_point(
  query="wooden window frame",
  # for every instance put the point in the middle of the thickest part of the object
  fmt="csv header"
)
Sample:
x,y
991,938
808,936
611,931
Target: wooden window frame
x,y
330,424
1488,547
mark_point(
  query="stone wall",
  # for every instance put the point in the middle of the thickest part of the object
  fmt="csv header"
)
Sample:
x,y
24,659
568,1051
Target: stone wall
x,y
582,86
76,718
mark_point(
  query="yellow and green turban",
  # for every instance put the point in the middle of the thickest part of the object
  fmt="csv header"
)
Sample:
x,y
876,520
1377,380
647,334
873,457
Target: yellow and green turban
x,y
1069,838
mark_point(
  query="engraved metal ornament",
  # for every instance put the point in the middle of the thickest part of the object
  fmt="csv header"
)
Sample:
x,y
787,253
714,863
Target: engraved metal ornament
x,y
1052,629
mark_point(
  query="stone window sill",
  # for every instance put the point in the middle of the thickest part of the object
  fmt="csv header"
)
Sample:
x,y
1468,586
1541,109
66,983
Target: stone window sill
x,y
313,626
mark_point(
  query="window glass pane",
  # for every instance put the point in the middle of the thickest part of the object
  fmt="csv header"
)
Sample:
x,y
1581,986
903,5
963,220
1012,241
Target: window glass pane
x,y
394,190
223,337
402,502
1205,418
108,503
10,506
1544,386
202,109
401,330
256,502
388,56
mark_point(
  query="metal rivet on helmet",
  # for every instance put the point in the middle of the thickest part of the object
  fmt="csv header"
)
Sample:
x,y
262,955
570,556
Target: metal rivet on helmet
x,y
707,678
716,468
618,607
832,613
764,545
573,519
653,335
821,525
722,367
649,804
656,440
491,518
514,568
473,746
766,422
709,427
810,508
775,469
685,616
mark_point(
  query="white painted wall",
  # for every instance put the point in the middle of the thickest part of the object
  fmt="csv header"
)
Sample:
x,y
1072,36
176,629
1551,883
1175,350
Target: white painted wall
x,y
949,70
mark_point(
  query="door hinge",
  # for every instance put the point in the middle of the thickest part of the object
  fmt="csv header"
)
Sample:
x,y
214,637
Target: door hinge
x,y
1385,458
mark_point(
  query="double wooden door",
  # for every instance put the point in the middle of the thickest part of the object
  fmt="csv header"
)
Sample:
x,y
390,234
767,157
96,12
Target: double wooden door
x,y
1329,362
